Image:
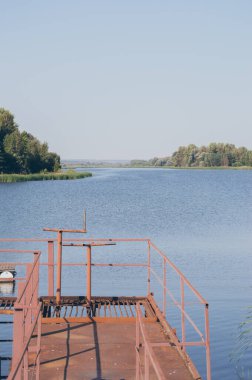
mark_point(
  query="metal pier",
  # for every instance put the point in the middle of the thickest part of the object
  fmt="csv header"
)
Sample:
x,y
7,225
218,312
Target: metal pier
x,y
86,336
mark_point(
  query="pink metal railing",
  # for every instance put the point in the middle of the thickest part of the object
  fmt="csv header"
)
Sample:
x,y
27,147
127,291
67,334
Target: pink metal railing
x,y
149,356
27,316
151,273
204,337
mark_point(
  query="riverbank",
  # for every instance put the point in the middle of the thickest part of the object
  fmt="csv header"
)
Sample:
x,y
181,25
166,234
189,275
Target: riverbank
x,y
68,175
194,167
127,166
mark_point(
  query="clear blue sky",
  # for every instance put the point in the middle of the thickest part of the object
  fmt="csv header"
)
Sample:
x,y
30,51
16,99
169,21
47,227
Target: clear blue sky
x,y
128,79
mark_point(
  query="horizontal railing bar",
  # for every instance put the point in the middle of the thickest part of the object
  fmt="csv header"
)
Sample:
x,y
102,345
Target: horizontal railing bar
x,y
7,250
12,279
98,264
24,240
15,263
179,273
179,306
65,230
192,344
44,240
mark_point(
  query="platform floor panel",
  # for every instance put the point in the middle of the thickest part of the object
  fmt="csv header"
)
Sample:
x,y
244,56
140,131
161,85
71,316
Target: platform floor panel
x,y
96,351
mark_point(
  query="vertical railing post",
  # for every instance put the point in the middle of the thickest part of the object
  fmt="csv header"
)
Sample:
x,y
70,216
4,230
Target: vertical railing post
x,y
26,368
149,269
28,298
207,335
89,274
18,333
51,268
27,312
182,289
38,346
59,268
137,344
164,287
35,282
146,364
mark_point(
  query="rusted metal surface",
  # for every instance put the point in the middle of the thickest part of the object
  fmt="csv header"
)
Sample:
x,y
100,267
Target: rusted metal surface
x,y
113,313
103,351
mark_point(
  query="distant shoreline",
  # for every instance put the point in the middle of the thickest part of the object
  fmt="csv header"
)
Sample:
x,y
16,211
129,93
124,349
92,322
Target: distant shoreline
x,y
126,166
68,175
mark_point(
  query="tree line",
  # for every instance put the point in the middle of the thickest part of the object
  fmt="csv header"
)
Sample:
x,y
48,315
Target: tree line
x,y
213,155
21,152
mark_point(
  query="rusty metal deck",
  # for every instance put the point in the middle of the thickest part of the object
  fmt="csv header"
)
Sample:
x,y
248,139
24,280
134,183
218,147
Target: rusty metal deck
x,y
80,340
105,349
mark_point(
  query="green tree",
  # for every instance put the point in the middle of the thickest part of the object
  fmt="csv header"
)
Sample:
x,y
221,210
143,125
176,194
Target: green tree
x,y
7,124
215,154
22,152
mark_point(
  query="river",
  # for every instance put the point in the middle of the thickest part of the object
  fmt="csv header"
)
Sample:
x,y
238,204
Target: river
x,y
202,219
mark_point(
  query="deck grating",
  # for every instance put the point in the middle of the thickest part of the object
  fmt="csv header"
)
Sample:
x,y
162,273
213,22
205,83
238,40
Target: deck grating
x,y
113,307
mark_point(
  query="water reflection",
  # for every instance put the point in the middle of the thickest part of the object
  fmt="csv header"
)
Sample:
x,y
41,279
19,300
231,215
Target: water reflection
x,y
241,356
7,288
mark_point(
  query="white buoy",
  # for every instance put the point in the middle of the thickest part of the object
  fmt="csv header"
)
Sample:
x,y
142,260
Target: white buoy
x,y
6,274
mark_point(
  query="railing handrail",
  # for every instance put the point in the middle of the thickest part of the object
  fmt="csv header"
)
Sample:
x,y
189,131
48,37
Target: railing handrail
x,y
7,250
45,240
176,303
181,275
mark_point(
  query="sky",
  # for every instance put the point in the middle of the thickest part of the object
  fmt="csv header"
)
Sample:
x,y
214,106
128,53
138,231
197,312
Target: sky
x,y
128,79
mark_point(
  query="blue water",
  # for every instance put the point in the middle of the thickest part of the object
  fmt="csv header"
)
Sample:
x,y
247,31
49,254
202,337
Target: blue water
x,y
201,219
